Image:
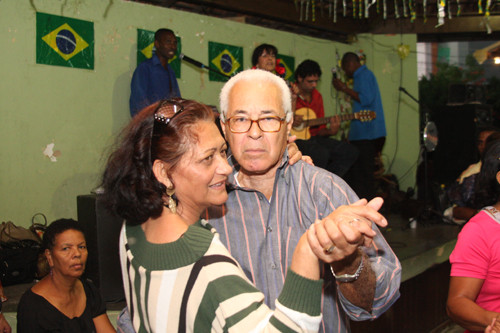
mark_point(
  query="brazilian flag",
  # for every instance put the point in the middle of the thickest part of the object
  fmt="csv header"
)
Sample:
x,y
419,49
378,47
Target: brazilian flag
x,y
146,47
289,64
63,41
227,59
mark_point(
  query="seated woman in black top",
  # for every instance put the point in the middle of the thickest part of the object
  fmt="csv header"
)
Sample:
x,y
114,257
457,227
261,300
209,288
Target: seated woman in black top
x,y
61,302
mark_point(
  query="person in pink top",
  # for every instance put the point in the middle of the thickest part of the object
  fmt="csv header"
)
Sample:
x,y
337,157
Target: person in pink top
x,y
474,294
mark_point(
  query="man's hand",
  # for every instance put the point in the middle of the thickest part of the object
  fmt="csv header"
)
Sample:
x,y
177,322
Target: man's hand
x,y
339,235
4,325
334,125
339,85
297,120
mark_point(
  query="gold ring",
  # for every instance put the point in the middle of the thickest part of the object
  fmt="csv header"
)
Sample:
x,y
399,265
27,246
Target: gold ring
x,y
354,220
329,250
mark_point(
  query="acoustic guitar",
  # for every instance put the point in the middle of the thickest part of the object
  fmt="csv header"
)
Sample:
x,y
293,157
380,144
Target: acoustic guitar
x,y
309,119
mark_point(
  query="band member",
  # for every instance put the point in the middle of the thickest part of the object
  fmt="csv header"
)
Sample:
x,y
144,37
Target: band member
x,y
333,155
368,137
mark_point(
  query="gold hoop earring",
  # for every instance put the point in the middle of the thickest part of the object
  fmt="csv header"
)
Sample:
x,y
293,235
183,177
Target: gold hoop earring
x,y
171,202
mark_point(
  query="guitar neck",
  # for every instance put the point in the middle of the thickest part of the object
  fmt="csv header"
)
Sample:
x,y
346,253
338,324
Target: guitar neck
x,y
326,120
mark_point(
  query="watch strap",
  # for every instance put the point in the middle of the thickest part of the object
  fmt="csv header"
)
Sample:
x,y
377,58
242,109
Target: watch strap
x,y
349,277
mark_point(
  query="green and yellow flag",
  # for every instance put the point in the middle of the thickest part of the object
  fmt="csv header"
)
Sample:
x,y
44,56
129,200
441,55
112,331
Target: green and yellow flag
x,y
225,58
63,41
146,47
288,63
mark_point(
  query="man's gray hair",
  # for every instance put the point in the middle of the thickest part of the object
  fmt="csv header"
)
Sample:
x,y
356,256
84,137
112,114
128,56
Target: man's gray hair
x,y
257,75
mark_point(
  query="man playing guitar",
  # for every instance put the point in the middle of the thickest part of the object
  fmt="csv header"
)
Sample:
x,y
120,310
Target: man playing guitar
x,y
333,155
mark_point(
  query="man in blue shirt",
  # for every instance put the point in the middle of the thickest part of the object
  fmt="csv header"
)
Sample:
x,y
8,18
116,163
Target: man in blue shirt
x,y
368,137
154,79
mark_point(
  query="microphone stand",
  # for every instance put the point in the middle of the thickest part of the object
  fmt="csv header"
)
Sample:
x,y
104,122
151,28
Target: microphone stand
x,y
428,210
202,66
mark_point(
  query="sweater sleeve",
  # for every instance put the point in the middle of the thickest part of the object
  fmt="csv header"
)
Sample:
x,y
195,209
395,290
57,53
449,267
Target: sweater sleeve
x,y
240,306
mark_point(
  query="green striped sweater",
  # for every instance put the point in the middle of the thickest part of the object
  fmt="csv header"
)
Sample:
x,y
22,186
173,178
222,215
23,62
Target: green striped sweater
x,y
194,285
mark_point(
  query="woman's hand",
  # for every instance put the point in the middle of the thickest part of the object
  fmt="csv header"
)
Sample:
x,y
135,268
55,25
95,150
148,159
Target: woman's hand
x,y
304,261
494,327
294,154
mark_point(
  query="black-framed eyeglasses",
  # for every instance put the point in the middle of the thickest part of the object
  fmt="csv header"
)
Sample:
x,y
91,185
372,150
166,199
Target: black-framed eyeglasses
x,y
268,124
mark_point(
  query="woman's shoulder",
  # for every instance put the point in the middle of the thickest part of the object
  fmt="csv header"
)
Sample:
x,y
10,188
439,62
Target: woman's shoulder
x,y
483,224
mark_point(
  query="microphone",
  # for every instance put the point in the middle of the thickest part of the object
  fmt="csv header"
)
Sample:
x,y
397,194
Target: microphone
x,y
334,72
184,57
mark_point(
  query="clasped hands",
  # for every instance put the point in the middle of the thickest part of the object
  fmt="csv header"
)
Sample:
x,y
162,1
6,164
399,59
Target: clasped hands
x,y
337,237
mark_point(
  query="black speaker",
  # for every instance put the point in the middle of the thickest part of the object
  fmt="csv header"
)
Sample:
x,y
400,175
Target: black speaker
x,y
456,148
102,232
461,93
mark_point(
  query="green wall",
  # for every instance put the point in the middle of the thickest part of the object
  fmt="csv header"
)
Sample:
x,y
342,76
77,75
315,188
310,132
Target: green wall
x,y
80,110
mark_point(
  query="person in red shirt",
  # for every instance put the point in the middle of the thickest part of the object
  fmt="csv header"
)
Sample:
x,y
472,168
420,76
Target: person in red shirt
x,y
331,154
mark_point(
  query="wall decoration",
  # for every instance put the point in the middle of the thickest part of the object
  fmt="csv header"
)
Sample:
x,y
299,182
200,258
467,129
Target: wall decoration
x,y
288,63
63,41
227,59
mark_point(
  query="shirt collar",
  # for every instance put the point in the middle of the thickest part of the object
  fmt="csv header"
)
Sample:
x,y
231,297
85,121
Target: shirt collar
x,y
359,70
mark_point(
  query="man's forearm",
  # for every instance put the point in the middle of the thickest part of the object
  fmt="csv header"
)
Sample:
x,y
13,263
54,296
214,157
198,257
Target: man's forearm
x,y
360,292
351,93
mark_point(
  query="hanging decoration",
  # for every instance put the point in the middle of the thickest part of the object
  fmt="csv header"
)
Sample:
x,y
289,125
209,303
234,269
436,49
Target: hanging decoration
x,y
361,9
480,6
396,10
441,14
425,10
413,13
488,4
335,12
403,51
362,56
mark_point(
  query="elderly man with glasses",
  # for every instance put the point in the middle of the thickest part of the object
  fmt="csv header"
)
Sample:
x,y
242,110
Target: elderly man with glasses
x,y
272,203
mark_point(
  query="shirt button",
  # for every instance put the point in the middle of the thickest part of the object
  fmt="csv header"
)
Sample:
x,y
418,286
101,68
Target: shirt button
x,y
269,229
273,266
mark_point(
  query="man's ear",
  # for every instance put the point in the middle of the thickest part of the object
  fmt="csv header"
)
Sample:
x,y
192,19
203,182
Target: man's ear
x,y
223,127
289,127
498,177
160,169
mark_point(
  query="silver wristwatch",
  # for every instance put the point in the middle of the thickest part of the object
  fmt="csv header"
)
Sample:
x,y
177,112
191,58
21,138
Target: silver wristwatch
x,y
349,277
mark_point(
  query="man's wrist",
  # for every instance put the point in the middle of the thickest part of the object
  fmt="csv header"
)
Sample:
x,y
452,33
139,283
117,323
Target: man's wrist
x,y
349,277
